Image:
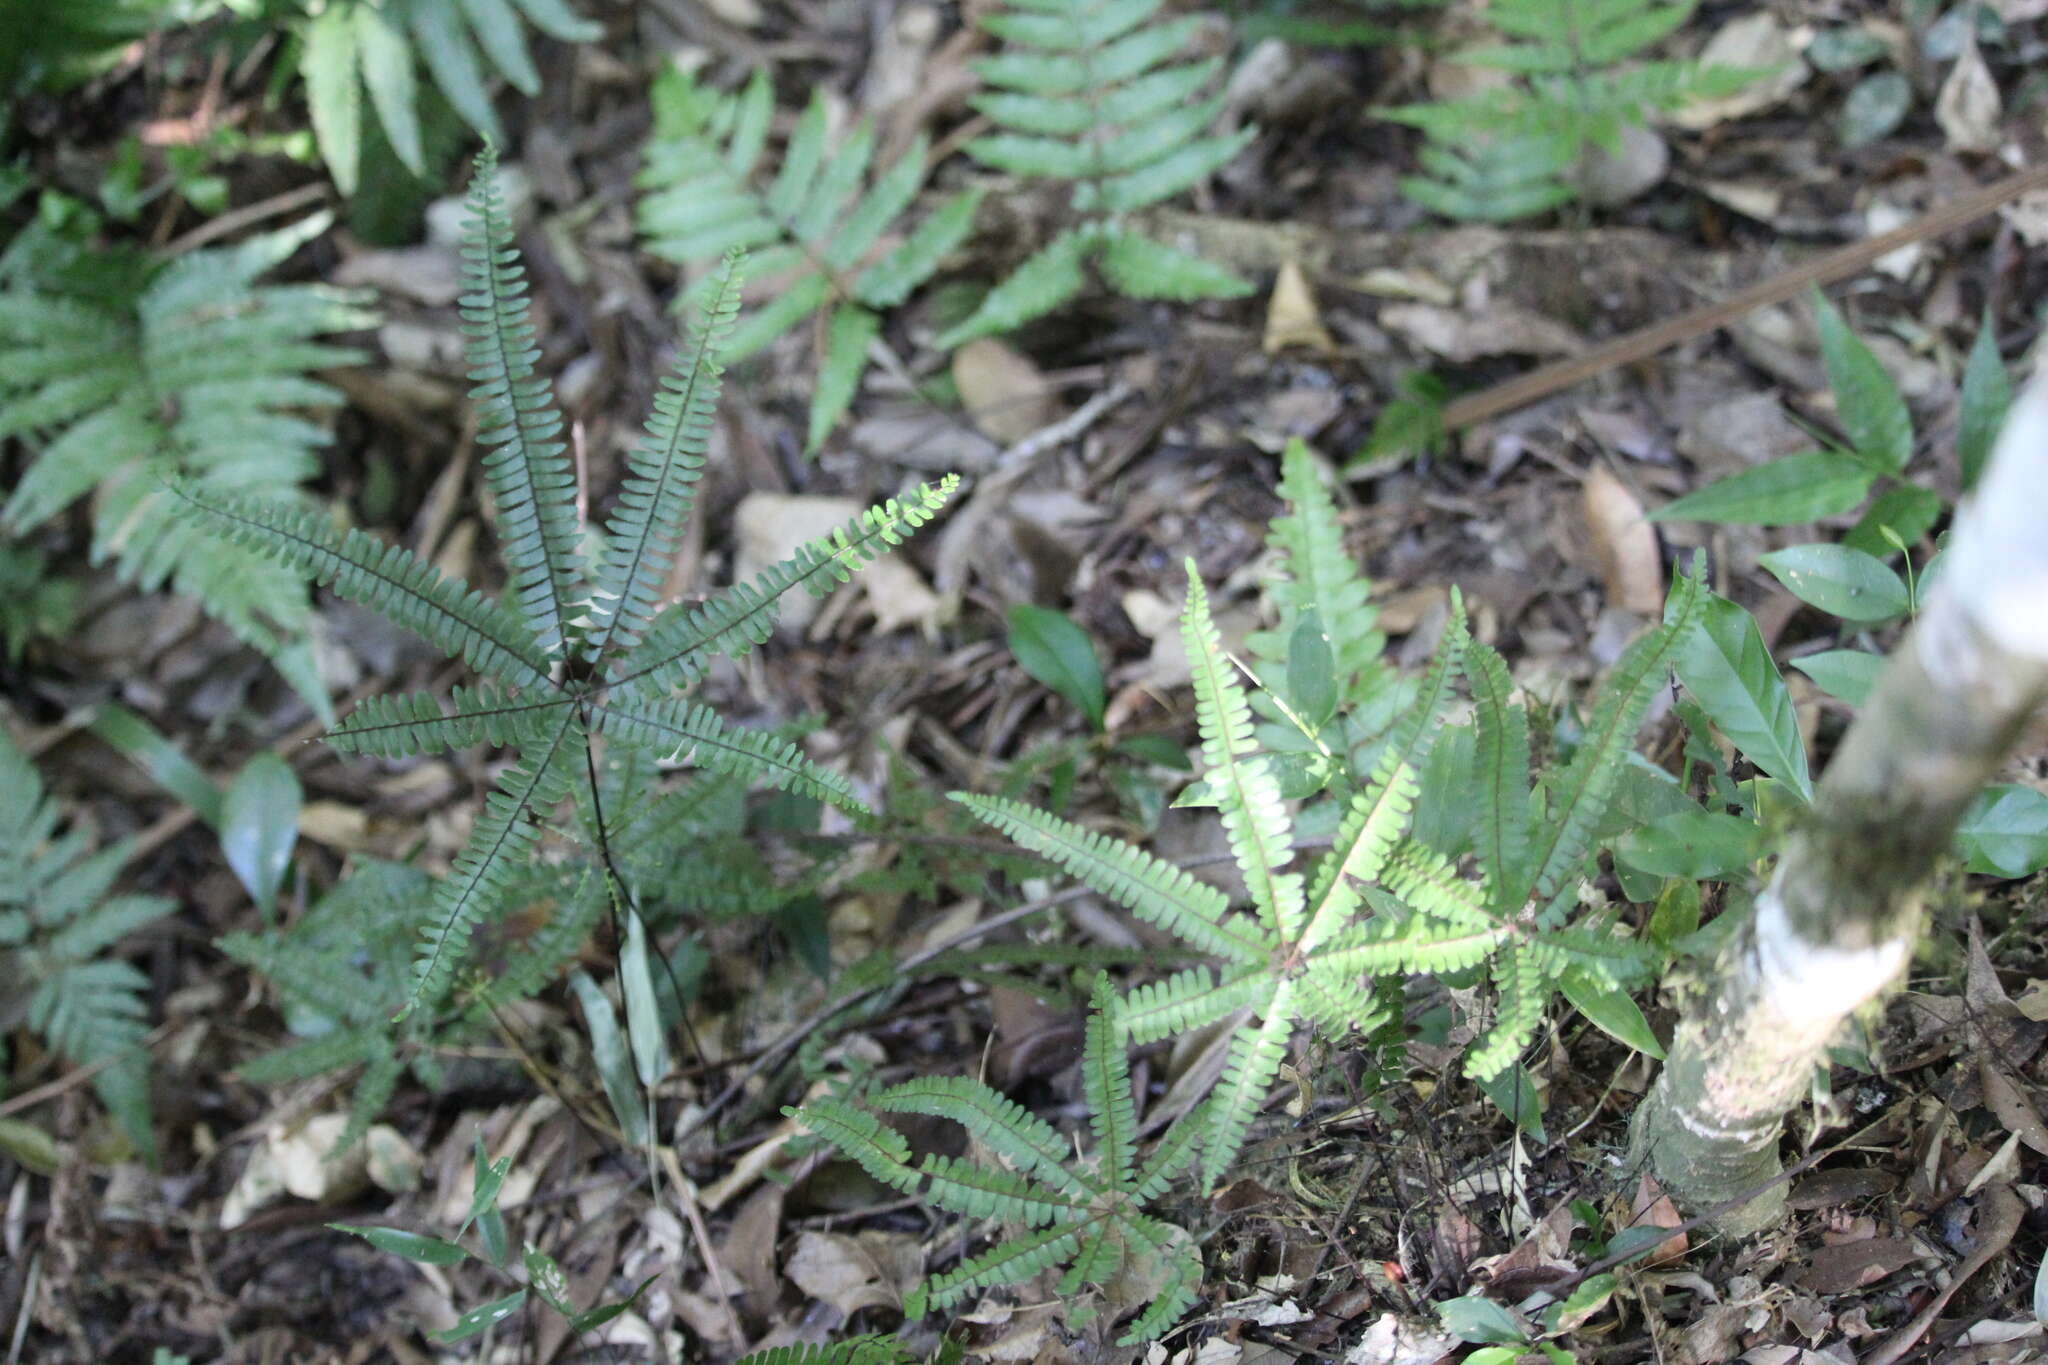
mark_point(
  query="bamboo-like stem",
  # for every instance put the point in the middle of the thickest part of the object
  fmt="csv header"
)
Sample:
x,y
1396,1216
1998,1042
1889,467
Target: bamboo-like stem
x,y
1839,919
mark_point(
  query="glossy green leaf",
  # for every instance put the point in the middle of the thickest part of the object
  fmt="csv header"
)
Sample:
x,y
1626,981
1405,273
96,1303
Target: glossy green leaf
x,y
1696,844
1877,105
1785,492
411,1245
846,357
1724,663
260,826
1905,510
165,763
1058,653
1845,674
1479,1319
1514,1092
1311,672
1987,393
613,1060
1611,1010
1867,402
334,97
644,1025
2004,833
591,1318
1840,581
481,1318
1677,912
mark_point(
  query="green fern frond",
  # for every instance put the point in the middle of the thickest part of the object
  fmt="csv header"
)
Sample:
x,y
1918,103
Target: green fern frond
x,y
445,612
416,722
190,371
1191,999
1106,1081
1008,1262
1318,575
1008,1129
1249,796
1523,987
857,1351
981,1192
1176,1293
1155,891
529,475
678,645
1373,822
880,1150
1502,762
685,731
1089,93
813,229
643,532
349,49
1255,1056
56,919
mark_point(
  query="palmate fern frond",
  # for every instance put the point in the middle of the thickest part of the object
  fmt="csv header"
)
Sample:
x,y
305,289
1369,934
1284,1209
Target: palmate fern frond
x,y
1192,999
1007,1128
1523,981
1106,1081
529,475
679,645
445,612
1373,821
1011,1261
661,473
1319,575
683,729
813,229
1248,794
983,1192
417,722
1501,754
880,1150
1255,1056
1155,891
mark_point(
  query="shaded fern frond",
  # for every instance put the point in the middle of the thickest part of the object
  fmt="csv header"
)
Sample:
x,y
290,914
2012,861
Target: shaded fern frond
x,y
1190,1000
185,371
1009,1129
1501,755
1089,93
529,475
654,500
858,1351
1255,1056
685,730
1320,576
416,722
820,228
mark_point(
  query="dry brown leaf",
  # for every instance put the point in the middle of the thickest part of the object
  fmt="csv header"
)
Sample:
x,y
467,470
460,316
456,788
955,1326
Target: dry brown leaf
x,y
748,1247
1968,106
2004,1098
1856,1265
1757,40
1652,1208
1292,318
1502,329
1625,543
1005,394
871,1270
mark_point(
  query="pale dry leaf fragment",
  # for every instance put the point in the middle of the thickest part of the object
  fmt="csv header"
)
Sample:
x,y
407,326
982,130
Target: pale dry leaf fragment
x,y
1635,167
1005,393
1292,318
1756,41
1500,330
338,826
1968,106
871,1270
1394,1340
1653,1208
2005,1099
2028,215
1624,542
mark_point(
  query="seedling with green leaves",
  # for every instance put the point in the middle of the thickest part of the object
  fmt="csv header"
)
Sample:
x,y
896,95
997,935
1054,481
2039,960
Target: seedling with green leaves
x,y
816,232
580,651
123,373
1089,1219
1089,94
56,922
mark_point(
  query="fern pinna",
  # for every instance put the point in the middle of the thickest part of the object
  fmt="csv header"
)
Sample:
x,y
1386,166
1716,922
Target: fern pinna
x,y
1091,1220
56,921
123,374
1089,94
577,651
814,229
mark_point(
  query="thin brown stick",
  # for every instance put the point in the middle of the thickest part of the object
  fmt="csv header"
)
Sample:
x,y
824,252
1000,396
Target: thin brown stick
x,y
213,229
1826,268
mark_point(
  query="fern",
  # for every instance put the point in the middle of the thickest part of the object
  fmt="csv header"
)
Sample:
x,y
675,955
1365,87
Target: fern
x,y
353,48
121,374
821,228
56,921
1088,93
1578,81
1088,1220
580,651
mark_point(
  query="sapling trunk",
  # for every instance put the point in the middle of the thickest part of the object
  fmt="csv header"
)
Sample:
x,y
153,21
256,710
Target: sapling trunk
x,y
1838,921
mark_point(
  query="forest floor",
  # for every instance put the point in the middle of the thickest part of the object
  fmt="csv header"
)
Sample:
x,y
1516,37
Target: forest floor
x,y
1914,1234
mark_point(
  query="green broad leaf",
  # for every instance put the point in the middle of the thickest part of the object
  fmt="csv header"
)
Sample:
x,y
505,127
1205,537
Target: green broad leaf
x,y
1311,672
488,1180
259,826
481,1318
1495,1355
846,356
387,65
28,1146
1514,1092
1906,511
1725,664
644,1028
592,1318
1637,1241
1878,104
1159,750
544,1276
1840,581
1785,492
1845,674
1479,1319
490,1230
1411,424
164,762
1677,912
613,1060
1611,1010
1589,1298
1987,393
1868,403
1058,653
2004,833
334,97
1697,844
411,1245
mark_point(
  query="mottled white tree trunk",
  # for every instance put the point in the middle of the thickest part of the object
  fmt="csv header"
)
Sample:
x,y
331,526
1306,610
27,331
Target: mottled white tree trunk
x,y
1838,922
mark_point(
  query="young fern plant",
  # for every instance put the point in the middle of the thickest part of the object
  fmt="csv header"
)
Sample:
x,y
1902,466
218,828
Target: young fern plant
x,y
1089,1219
1577,79
56,922
813,228
1089,95
123,375
578,652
